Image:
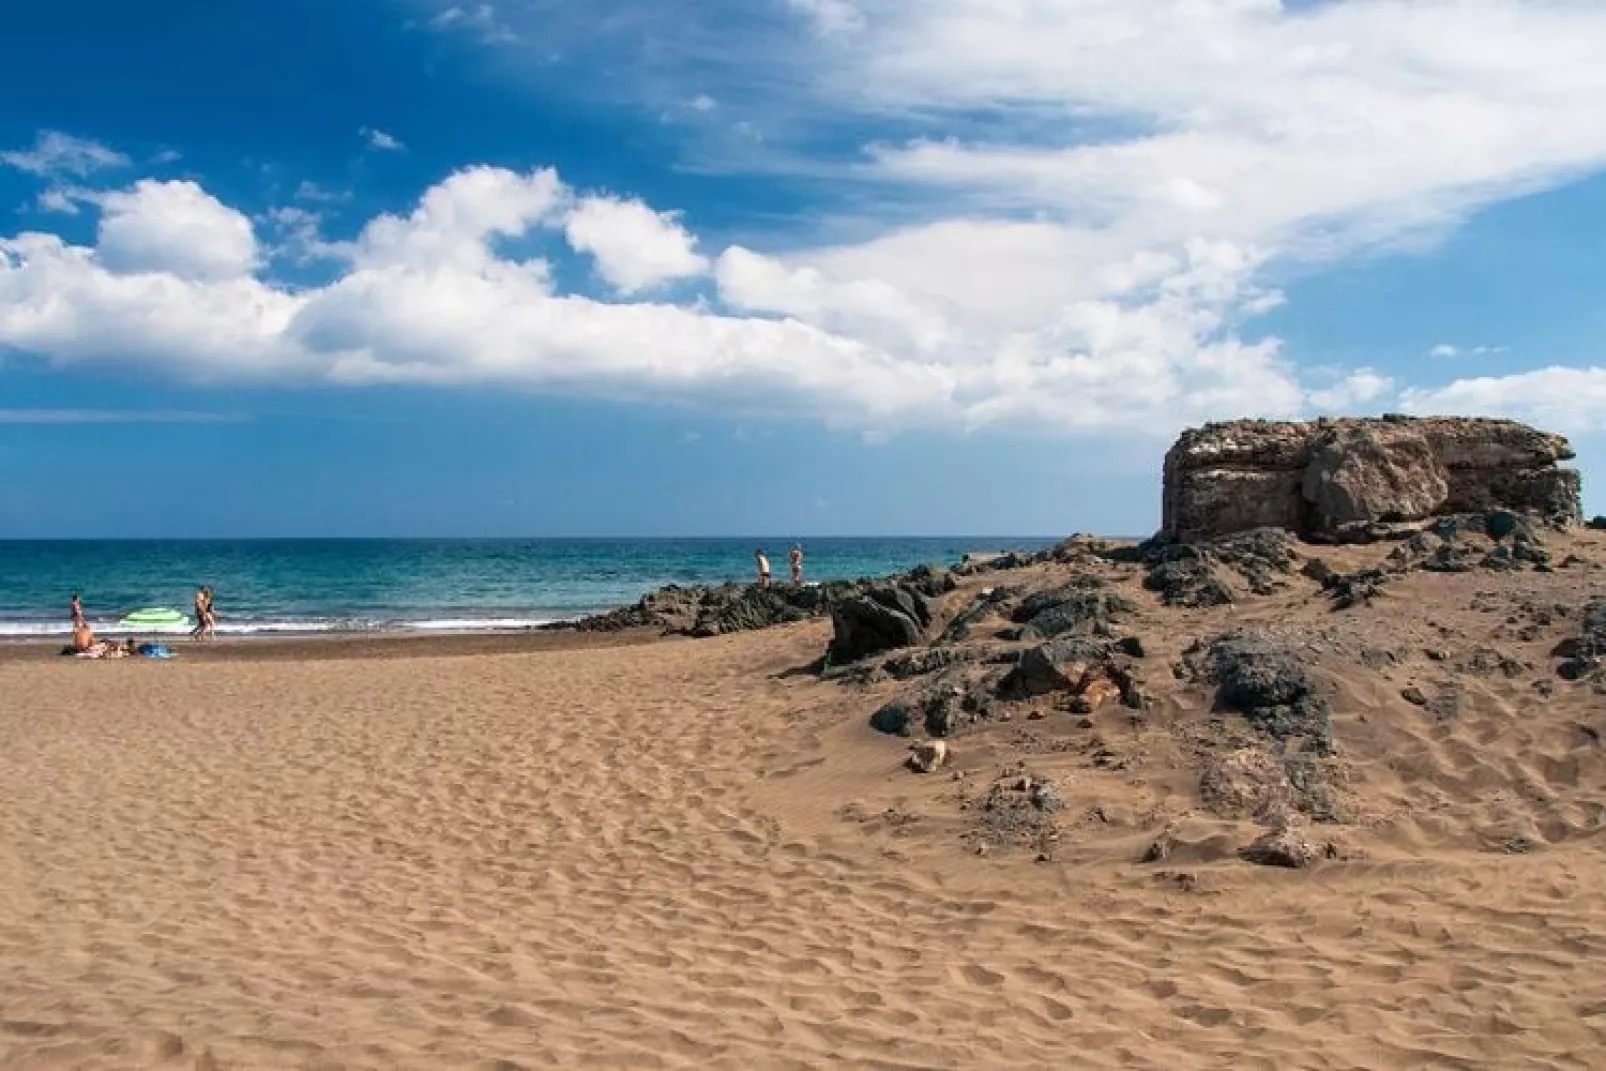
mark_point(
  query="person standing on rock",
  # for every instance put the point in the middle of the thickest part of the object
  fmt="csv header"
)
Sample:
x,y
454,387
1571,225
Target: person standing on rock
x,y
796,558
763,565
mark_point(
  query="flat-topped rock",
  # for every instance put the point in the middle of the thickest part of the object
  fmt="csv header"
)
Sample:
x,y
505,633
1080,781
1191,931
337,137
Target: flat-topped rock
x,y
1326,477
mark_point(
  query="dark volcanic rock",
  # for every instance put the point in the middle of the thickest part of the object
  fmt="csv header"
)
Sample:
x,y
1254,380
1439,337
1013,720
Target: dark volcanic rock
x,y
984,605
1076,608
884,618
1354,589
924,662
1056,666
699,611
1188,581
1584,654
931,581
1263,678
1192,574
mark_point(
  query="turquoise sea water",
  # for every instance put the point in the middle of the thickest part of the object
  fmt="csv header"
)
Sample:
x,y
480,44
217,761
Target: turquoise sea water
x,y
332,585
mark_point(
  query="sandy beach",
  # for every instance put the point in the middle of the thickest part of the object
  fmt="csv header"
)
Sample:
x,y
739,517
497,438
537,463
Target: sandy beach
x,y
694,854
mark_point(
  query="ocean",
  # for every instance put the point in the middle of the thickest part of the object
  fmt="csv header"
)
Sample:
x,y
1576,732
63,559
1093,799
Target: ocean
x,y
288,586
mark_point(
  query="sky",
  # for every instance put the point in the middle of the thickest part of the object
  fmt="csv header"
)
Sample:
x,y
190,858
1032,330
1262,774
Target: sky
x,y
778,267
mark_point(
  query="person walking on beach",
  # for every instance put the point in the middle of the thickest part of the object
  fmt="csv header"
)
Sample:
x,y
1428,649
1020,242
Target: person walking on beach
x,y
205,619
796,558
763,565
77,606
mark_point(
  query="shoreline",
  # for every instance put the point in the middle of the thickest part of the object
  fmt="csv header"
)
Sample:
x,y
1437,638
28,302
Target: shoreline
x,y
351,645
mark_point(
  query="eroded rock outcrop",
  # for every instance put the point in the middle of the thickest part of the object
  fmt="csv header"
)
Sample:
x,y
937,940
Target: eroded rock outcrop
x,y
1332,479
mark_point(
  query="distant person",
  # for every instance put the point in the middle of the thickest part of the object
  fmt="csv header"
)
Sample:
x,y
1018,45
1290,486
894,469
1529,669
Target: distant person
x,y
205,617
77,607
796,558
83,637
763,565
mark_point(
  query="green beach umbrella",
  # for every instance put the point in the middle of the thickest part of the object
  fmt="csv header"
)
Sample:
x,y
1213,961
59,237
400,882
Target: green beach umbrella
x,y
153,617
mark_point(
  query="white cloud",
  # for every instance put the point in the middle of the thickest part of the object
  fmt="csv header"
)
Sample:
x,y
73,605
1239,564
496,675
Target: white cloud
x,y
1070,216
58,199
1445,350
1356,390
312,191
1569,399
55,153
634,247
426,299
481,19
175,228
378,139
830,16
455,219
167,156
298,235
703,103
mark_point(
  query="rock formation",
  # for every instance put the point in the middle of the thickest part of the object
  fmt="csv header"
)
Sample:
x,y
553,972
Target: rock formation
x,y
1328,479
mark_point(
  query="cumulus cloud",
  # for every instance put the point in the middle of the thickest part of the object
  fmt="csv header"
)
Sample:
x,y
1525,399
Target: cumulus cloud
x,y
378,139
174,228
425,298
55,153
1570,399
1357,390
634,247
1070,214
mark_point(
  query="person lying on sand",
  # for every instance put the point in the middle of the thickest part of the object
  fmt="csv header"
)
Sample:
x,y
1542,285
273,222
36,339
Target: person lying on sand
x,y
83,637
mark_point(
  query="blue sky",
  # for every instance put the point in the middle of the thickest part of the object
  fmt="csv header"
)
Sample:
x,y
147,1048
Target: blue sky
x,y
808,267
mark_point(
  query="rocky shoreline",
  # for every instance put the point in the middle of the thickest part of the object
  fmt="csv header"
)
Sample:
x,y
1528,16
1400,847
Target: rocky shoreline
x,y
1214,648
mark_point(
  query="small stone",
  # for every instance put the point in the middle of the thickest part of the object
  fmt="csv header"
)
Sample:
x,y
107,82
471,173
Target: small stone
x,y
1438,654
1283,847
1035,715
927,755
1414,696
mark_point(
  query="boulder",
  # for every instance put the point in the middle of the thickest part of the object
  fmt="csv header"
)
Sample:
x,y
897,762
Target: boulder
x,y
1264,679
1340,479
1285,847
1061,665
1363,473
883,619
1072,609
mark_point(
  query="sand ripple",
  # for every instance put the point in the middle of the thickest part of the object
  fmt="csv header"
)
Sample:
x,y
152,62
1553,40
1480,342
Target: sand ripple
x,y
633,859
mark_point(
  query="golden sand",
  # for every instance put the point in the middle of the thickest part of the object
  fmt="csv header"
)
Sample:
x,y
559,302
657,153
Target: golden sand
x,y
684,855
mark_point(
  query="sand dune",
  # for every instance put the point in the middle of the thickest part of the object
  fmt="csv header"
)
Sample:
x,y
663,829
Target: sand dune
x,y
682,855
